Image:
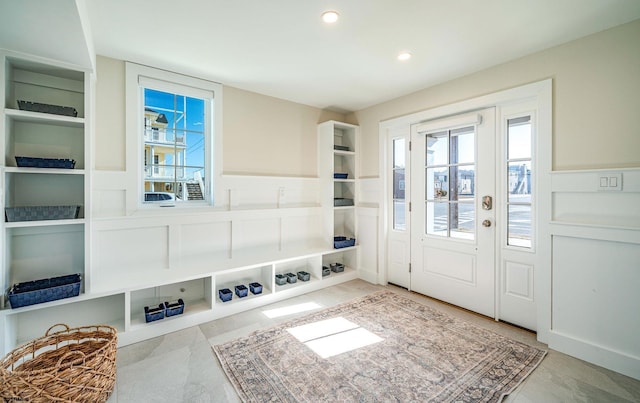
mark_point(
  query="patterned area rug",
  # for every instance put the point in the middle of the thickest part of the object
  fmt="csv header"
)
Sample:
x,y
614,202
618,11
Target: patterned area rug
x,y
378,348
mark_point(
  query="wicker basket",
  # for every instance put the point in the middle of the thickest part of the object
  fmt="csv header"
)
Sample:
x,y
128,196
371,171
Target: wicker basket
x,y
74,364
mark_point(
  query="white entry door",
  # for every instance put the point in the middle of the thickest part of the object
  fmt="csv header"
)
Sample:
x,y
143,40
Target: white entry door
x,y
453,216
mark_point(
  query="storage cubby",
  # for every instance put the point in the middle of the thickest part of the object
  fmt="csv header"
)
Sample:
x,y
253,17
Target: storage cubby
x,y
244,276
33,189
31,81
311,265
196,295
34,253
28,323
346,256
36,135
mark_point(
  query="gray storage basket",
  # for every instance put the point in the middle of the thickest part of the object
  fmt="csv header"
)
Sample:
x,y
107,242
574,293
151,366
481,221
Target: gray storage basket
x,y
38,213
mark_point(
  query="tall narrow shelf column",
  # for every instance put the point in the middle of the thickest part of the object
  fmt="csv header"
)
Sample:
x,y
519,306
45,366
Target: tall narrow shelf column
x,y
338,172
44,145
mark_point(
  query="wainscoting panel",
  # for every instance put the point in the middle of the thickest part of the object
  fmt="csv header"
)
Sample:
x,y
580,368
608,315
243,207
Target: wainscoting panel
x,y
595,274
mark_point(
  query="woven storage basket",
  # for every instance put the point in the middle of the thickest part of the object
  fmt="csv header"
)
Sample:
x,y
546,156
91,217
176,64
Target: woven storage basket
x,y
70,365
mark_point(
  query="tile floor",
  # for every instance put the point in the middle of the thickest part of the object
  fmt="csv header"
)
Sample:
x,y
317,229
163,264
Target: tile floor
x,y
181,367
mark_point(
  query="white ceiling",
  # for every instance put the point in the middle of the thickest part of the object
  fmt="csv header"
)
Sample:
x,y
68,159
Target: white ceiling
x,y
281,48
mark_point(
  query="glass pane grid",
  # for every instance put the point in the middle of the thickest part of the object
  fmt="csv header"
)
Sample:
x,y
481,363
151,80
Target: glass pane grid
x,y
174,135
450,184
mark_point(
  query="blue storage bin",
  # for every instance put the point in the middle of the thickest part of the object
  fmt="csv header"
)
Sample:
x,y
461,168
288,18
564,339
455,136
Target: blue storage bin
x,y
225,294
255,288
343,242
174,308
45,290
340,175
242,291
153,313
33,162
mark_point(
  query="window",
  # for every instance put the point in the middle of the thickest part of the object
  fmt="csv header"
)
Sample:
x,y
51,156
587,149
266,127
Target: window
x,y
399,200
519,182
177,124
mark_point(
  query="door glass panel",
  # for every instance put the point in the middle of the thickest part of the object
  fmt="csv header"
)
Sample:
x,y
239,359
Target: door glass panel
x,y
436,218
519,230
519,176
437,149
398,153
462,219
399,204
520,182
462,146
519,138
464,187
450,183
399,215
437,184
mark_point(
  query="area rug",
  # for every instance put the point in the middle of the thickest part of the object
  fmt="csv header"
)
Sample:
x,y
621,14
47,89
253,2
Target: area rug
x,y
379,348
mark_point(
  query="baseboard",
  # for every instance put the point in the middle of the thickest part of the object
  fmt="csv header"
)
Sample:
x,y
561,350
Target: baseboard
x,y
371,277
595,354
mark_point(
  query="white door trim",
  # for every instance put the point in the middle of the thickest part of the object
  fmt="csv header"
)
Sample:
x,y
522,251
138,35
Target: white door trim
x,y
539,92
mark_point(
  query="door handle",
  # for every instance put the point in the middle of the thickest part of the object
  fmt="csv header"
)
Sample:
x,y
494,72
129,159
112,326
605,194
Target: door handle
x,y
486,223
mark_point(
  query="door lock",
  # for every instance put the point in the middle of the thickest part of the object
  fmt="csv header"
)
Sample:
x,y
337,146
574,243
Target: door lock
x,y
487,202
486,223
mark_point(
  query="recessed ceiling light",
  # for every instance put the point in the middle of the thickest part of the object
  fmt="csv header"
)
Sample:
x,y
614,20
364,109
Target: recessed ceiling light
x,y
330,17
404,56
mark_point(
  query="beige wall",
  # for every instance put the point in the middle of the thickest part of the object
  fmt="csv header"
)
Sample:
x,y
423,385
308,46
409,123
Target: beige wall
x,y
596,100
261,135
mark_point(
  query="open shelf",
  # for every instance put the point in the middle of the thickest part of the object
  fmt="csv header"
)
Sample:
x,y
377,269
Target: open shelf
x,y
260,274
196,295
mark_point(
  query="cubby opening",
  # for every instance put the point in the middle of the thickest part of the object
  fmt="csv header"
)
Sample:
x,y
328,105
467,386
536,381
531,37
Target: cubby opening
x,y
196,295
244,277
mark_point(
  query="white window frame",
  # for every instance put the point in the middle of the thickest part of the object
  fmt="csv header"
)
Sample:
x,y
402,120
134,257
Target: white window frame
x,y
139,77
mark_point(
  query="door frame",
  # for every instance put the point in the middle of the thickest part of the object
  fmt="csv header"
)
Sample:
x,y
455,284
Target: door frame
x,y
540,94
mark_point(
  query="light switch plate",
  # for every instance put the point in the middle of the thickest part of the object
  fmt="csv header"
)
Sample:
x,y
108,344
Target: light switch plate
x,y
610,181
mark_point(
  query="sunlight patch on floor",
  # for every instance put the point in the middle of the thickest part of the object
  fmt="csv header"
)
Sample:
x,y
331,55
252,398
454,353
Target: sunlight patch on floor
x,y
331,337
290,310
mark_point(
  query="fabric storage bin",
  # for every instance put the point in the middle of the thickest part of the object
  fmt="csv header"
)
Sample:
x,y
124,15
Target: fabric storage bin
x,y
340,175
281,279
242,291
153,313
33,162
255,288
337,267
225,294
325,271
340,148
343,242
39,213
304,276
47,108
45,290
291,278
174,308
339,202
